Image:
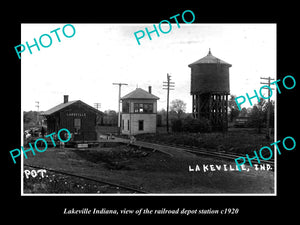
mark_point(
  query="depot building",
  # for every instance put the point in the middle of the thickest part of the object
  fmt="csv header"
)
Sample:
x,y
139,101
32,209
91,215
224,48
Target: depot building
x,y
76,116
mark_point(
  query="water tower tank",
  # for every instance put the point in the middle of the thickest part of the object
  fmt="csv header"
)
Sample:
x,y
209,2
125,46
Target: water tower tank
x,y
210,75
210,90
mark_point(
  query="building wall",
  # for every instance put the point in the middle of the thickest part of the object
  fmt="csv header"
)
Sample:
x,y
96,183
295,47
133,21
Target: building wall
x,y
65,119
87,119
87,130
125,129
130,120
149,123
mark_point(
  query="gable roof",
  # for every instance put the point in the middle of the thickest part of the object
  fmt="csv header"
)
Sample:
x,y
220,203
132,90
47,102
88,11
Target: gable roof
x,y
64,105
209,59
139,93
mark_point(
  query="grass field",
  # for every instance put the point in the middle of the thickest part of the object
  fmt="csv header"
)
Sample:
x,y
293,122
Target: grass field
x,y
236,140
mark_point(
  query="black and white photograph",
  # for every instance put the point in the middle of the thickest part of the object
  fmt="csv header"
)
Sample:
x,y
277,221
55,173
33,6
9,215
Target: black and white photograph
x,y
150,111
155,115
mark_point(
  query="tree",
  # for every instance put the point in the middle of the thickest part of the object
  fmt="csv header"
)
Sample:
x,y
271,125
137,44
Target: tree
x,y
194,125
258,115
272,108
161,117
110,117
176,125
28,117
191,125
233,108
178,107
243,112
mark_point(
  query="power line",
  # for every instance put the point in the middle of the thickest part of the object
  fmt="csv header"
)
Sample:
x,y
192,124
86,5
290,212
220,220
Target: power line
x,y
37,113
97,105
168,85
269,105
119,102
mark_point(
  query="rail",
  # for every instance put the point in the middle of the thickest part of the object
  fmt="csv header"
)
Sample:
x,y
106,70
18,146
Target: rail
x,y
210,152
122,186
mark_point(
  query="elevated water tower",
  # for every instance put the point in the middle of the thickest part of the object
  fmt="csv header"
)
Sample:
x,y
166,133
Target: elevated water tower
x,y
210,90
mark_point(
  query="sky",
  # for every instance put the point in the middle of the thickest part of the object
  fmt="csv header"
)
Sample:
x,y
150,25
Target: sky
x,y
85,65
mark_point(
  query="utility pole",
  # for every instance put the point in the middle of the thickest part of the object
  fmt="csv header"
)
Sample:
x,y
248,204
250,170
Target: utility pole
x,y
37,113
97,105
269,104
119,102
168,85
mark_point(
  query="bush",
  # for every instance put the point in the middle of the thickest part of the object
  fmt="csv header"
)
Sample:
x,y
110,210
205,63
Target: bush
x,y
176,125
191,125
197,125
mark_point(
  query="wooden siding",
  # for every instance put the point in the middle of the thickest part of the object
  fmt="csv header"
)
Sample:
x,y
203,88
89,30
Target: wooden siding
x,y
134,118
65,119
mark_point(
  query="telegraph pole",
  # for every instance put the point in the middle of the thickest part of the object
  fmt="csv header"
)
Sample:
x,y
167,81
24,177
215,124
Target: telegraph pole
x,y
168,85
269,105
119,102
37,113
97,105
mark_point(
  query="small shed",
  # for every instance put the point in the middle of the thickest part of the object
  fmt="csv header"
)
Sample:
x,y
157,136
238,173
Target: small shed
x,y
76,116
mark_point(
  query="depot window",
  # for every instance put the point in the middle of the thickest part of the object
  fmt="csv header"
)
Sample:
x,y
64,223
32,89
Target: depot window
x,y
77,124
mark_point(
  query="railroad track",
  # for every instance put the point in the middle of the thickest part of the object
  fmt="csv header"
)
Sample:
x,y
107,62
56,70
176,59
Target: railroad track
x,y
119,186
213,153
224,155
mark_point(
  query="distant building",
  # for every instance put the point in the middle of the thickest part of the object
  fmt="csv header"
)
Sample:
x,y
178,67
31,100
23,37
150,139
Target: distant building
x,y
139,111
241,121
76,116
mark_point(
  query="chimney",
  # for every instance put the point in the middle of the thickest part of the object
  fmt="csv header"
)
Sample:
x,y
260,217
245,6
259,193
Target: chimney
x,y
66,98
150,89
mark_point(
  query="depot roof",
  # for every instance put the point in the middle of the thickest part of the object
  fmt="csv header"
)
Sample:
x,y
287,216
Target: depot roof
x,y
64,105
140,93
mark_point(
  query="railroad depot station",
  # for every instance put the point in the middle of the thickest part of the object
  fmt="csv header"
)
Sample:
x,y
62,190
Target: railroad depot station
x,y
76,116
139,112
209,90
144,153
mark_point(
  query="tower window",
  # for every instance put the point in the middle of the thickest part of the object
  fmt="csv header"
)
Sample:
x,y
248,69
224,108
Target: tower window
x,y
143,107
125,107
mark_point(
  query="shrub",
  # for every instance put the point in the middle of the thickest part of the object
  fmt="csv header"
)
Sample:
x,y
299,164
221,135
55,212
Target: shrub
x,y
176,125
191,125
